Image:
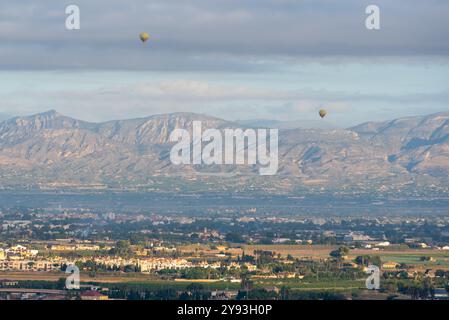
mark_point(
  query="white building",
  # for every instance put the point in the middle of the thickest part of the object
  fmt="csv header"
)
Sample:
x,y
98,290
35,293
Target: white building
x,y
20,251
148,265
28,265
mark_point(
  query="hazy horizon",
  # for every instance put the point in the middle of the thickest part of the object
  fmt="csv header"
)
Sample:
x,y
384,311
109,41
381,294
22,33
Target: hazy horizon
x,y
314,123
230,59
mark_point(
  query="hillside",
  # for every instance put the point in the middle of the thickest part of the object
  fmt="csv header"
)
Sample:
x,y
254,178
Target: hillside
x,y
50,149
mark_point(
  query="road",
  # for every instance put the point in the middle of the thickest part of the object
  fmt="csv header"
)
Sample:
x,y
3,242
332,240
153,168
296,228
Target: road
x,y
44,291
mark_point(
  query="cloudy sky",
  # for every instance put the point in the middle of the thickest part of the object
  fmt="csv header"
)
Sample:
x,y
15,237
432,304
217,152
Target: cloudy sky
x,y
236,59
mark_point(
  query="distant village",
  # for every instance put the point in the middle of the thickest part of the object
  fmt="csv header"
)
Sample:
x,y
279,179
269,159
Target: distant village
x,y
227,256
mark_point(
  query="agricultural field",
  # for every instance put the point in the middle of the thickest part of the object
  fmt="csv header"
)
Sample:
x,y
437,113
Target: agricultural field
x,y
314,252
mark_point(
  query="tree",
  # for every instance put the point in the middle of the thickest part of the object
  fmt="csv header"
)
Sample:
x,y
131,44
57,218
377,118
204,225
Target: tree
x,y
340,253
367,260
196,290
194,287
234,237
122,248
246,283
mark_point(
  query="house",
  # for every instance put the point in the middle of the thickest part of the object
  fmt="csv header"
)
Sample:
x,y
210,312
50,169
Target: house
x,y
272,289
58,247
281,240
429,273
223,295
87,247
151,264
77,247
383,244
352,236
250,267
8,283
93,295
28,265
390,265
17,249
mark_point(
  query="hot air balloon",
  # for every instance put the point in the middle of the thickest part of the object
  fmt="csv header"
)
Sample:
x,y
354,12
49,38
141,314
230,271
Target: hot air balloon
x,y
322,113
144,36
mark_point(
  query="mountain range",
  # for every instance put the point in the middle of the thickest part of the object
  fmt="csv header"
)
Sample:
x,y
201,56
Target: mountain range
x,y
50,150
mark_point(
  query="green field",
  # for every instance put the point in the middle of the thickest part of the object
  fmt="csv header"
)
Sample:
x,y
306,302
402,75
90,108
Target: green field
x,y
297,284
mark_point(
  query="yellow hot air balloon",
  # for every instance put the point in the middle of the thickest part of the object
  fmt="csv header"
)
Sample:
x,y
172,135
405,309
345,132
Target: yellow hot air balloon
x,y
322,113
144,36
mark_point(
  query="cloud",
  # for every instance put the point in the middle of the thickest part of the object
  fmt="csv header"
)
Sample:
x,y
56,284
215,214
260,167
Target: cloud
x,y
219,35
229,101
191,91
195,90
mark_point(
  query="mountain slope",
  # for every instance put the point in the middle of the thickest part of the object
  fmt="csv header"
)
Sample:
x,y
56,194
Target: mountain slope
x,y
52,149
419,144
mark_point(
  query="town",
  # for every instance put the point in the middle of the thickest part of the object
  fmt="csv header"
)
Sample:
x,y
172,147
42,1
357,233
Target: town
x,y
247,256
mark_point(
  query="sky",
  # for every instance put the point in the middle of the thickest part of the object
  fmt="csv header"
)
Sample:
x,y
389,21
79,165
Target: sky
x,y
235,59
